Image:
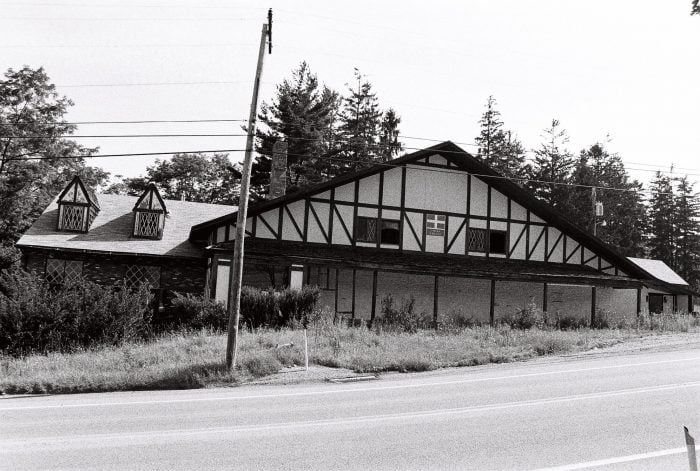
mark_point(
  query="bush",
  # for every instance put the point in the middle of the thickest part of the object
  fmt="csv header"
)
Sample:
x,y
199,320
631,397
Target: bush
x,y
403,318
35,317
569,322
261,308
297,305
526,318
197,312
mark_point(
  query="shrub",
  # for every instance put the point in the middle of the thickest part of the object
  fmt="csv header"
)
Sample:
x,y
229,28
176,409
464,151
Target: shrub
x,y
600,321
261,308
403,318
569,322
37,318
297,304
197,312
526,318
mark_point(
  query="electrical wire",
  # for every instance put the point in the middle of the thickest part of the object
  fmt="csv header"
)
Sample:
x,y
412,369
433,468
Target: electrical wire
x,y
142,121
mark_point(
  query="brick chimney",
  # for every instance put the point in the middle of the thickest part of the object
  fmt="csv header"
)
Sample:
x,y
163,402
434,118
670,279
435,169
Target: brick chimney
x,y
278,171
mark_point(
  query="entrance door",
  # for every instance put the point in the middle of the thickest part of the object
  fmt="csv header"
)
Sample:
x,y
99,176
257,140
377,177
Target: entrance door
x,y
656,303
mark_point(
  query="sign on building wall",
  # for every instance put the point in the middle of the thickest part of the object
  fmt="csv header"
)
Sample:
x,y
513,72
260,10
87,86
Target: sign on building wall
x,y
435,225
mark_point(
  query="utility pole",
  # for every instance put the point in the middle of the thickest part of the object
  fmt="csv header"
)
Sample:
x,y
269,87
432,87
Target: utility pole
x,y
233,307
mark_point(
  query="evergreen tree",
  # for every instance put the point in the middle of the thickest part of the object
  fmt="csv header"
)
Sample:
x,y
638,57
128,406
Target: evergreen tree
x,y
303,113
498,148
551,169
661,220
360,124
687,228
624,211
389,145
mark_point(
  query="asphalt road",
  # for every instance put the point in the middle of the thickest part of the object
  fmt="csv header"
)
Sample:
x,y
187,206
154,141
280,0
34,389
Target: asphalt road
x,y
622,412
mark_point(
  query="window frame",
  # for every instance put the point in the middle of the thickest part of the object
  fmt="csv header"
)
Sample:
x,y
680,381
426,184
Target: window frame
x,y
138,223
498,232
379,227
61,278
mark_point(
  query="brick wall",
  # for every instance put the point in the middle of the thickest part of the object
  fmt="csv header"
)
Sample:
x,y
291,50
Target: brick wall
x,y
183,275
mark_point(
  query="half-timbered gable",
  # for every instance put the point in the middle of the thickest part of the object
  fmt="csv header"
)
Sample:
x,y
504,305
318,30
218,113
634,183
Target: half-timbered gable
x,y
437,226
77,207
440,200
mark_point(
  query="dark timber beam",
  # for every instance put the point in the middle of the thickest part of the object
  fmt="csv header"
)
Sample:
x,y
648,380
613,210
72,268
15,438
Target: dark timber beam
x,y
374,297
492,303
544,298
593,308
435,302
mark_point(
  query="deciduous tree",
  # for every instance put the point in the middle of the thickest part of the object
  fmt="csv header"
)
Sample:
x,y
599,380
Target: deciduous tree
x,y
37,158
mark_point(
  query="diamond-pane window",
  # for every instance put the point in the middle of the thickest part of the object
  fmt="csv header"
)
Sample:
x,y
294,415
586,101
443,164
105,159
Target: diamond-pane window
x,y
137,274
59,271
366,229
477,240
147,224
73,217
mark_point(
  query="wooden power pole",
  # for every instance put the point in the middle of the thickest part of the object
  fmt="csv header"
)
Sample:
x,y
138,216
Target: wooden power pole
x,y
233,307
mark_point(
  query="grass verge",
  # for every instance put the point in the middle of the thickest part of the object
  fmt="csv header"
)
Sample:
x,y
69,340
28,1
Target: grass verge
x,y
195,359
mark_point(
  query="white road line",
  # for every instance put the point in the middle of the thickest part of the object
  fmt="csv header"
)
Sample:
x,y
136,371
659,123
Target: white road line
x,y
343,390
22,443
618,459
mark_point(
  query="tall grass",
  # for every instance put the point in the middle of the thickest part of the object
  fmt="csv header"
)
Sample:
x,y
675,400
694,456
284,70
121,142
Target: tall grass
x,y
194,359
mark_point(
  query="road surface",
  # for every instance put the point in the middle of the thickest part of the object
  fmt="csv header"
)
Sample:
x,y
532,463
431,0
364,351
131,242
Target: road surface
x,y
605,413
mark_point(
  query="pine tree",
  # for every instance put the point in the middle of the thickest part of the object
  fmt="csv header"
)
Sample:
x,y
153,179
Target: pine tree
x,y
303,113
687,228
551,169
624,211
661,220
389,145
498,148
360,125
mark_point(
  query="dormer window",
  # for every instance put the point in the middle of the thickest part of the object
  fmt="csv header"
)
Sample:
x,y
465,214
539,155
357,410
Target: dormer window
x,y
149,214
77,207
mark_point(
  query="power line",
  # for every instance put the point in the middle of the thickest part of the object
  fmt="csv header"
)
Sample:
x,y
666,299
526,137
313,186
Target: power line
x,y
350,160
100,136
142,121
189,135
151,84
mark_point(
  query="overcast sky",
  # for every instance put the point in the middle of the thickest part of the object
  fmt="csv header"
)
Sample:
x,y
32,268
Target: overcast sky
x,y
629,69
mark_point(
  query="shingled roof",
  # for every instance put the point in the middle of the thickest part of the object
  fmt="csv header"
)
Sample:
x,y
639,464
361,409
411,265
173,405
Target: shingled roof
x,y
111,232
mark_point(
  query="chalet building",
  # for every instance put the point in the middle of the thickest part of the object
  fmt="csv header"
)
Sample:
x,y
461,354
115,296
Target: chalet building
x,y
440,226
113,238
437,225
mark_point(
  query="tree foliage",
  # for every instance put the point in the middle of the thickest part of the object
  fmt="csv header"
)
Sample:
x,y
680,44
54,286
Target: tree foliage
x,y
327,134
191,177
498,148
37,159
551,170
623,223
304,114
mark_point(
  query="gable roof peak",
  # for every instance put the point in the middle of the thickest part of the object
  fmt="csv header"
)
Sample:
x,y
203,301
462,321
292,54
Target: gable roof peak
x,y
78,184
151,199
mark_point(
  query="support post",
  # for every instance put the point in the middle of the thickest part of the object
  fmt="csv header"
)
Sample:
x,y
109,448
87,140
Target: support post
x,y
544,298
492,304
435,302
639,302
234,296
593,308
374,298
